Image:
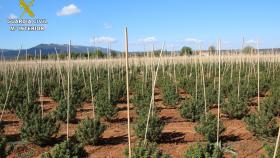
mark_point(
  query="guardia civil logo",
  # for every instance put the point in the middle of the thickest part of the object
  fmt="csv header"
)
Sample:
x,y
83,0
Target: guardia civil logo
x,y
27,8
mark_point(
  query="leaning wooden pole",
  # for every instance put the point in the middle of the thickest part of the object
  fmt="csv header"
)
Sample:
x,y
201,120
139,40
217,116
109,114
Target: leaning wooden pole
x,y
153,91
10,85
27,78
127,92
277,144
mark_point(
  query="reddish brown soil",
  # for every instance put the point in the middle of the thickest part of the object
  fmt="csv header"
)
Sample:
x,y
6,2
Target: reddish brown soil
x,y
177,136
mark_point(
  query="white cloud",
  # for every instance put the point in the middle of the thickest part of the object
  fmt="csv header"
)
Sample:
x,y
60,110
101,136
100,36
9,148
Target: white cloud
x,y
12,16
68,10
251,41
193,40
226,42
103,39
151,39
107,26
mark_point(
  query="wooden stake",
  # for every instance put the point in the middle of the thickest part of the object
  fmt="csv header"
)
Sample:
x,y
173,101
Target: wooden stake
x,y
8,92
203,80
277,144
68,89
91,90
127,93
219,92
41,84
153,92
27,86
258,75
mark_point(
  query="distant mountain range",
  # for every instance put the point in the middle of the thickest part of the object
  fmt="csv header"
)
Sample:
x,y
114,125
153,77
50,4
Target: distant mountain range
x,y
47,49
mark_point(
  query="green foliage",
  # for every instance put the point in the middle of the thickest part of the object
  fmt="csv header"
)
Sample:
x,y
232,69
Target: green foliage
x,y
262,124
103,106
212,49
66,149
234,108
141,102
208,127
89,131
23,111
269,149
61,111
118,90
76,91
86,91
168,90
186,51
188,85
48,86
146,150
141,97
204,151
248,50
191,109
154,130
39,130
3,144
271,105
57,93
98,54
4,148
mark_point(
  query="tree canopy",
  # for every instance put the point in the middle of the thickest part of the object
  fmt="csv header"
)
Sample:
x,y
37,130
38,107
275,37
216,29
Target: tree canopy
x,y
186,51
248,49
212,49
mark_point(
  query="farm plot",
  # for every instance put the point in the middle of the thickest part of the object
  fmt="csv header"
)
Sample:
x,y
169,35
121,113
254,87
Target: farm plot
x,y
180,106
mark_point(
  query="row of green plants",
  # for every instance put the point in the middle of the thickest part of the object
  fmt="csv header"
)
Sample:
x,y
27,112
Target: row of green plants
x,y
36,128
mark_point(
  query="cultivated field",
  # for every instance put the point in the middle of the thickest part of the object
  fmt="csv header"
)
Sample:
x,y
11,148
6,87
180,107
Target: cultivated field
x,y
220,105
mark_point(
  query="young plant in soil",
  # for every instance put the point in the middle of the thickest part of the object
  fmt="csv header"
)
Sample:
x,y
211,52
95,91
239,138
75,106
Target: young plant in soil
x,y
269,151
235,108
141,102
57,93
211,150
207,126
146,150
39,130
168,90
191,109
155,127
4,148
60,113
89,131
23,111
203,151
262,124
103,106
66,149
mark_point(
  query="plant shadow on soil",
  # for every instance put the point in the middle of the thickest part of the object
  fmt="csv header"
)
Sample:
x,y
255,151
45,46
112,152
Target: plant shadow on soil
x,y
13,137
113,140
121,120
10,122
230,138
172,137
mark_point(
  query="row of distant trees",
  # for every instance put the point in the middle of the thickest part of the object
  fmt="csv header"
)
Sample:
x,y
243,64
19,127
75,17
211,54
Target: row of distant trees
x,y
212,50
99,54
74,55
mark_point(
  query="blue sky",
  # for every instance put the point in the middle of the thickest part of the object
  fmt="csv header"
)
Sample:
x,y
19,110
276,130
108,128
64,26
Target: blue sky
x,y
177,22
